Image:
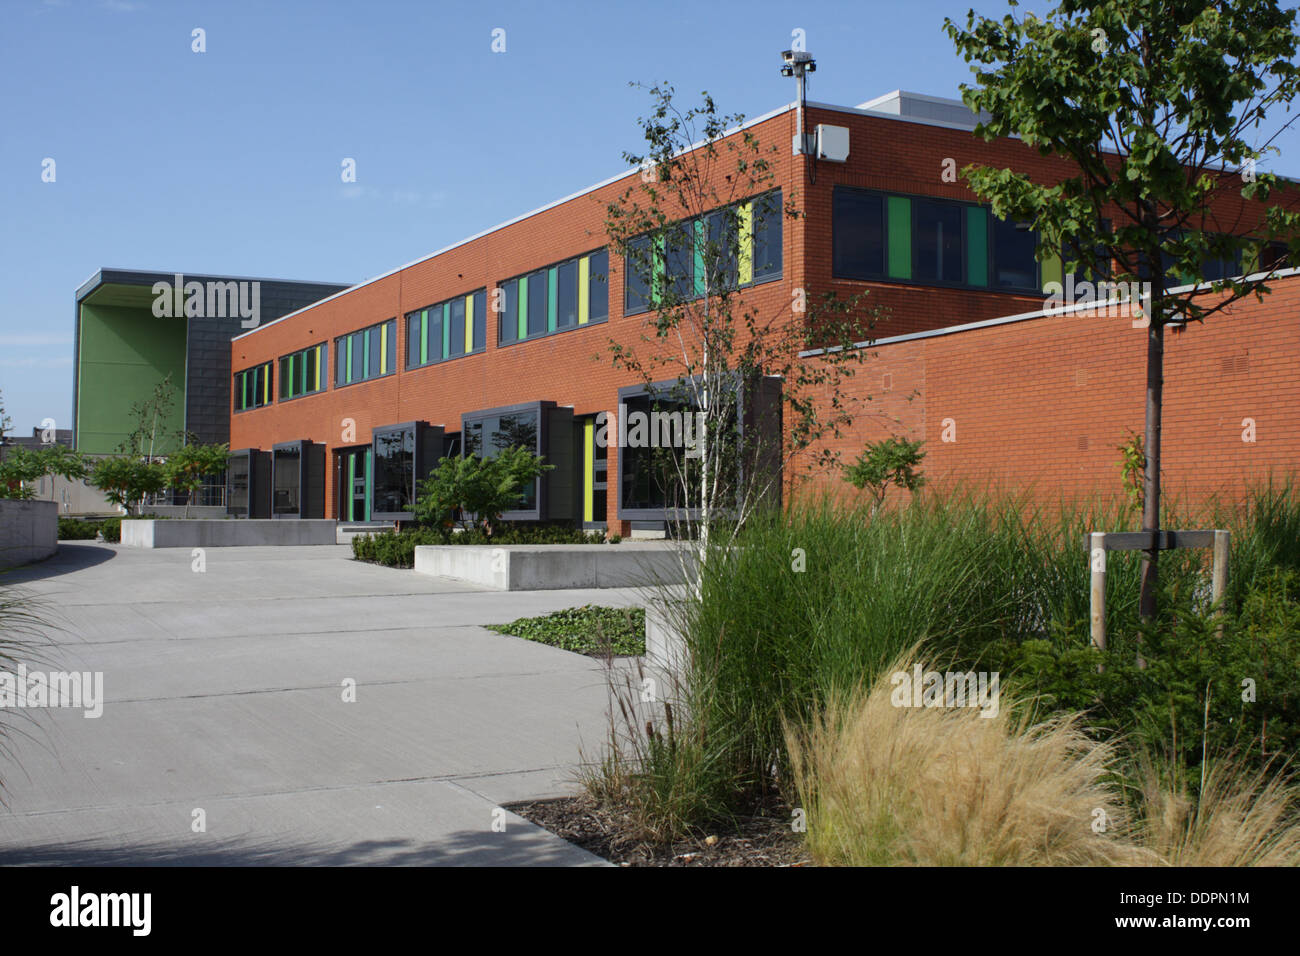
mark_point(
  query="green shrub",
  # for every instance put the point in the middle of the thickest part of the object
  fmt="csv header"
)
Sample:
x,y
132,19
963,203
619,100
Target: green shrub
x,y
111,529
1194,690
476,491
585,630
74,529
815,601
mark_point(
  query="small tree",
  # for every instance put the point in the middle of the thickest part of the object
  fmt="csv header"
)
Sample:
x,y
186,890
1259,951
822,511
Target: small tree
x,y
476,491
21,466
1157,105
125,481
885,464
686,230
150,437
190,464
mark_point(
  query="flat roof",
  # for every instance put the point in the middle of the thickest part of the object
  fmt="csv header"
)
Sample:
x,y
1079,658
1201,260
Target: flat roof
x,y
113,276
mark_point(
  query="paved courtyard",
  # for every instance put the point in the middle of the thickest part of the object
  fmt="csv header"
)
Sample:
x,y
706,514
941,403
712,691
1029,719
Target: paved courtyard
x,y
224,693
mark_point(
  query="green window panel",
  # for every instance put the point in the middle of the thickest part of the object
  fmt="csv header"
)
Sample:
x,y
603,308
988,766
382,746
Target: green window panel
x,y
523,307
899,228
977,246
658,273
552,297
369,480
424,336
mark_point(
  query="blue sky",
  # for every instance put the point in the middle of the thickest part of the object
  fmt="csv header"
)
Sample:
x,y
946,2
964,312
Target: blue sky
x,y
228,162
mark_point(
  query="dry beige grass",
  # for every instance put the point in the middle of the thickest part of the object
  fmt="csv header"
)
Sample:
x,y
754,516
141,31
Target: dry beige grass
x,y
1242,818
883,785
945,786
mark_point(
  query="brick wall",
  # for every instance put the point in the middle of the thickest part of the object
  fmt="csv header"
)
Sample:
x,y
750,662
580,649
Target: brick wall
x,y
1038,401
1041,405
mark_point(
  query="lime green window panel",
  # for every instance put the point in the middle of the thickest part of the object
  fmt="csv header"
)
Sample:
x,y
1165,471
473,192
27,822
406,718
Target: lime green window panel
x,y
349,362
584,292
588,469
1052,270
383,349
292,380
320,362
424,336
469,323
746,239
552,297
898,223
977,245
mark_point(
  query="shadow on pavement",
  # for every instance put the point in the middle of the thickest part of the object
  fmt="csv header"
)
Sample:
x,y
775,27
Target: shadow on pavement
x,y
71,556
521,845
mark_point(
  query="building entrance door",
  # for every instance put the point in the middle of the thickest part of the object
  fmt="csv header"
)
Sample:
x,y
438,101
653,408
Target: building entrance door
x,y
354,483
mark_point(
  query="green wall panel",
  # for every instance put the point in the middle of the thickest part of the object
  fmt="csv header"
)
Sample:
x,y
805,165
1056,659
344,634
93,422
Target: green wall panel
x,y
899,228
124,353
977,246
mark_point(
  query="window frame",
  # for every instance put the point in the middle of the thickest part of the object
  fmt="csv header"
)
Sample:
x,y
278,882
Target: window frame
x,y
691,225
269,367
412,363
299,355
509,289
965,284
342,354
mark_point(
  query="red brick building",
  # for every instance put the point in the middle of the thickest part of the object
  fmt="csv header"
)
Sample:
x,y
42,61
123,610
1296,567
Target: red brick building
x,y
506,334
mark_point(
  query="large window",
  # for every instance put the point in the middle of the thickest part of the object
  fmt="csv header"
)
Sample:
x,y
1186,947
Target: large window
x,y
564,296
878,236
394,472
446,329
369,353
1014,248
488,436
937,241
726,249
303,373
287,500
253,387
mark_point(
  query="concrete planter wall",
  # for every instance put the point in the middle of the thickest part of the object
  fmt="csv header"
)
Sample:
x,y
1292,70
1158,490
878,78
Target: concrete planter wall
x,y
29,531
664,643
225,533
547,567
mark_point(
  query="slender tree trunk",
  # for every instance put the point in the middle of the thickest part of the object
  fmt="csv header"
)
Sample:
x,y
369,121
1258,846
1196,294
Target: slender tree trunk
x,y
1151,477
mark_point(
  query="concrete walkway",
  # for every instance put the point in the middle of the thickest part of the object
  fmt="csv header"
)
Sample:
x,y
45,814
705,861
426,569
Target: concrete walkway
x,y
224,693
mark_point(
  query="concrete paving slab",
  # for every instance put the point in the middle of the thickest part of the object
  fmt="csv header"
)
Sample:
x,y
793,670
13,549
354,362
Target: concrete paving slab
x,y
224,690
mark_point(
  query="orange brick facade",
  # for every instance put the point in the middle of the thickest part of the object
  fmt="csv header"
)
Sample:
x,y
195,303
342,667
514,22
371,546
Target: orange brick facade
x,y
1039,401
1040,406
